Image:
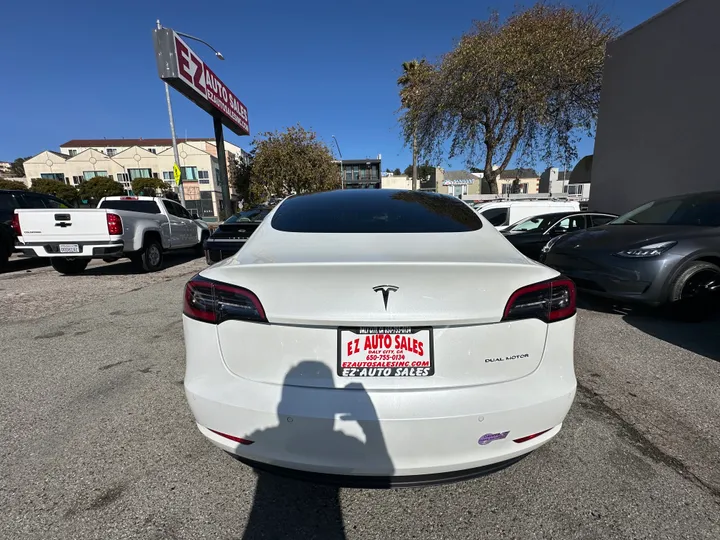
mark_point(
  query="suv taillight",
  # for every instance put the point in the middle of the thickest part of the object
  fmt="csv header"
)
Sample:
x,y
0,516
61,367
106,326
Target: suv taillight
x,y
15,224
213,302
114,223
549,301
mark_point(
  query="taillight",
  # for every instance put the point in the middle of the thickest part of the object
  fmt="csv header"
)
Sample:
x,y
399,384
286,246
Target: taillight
x,y
114,223
214,302
531,437
15,224
550,301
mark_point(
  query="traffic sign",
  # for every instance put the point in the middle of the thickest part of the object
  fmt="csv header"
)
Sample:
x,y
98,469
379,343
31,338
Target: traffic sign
x,y
176,173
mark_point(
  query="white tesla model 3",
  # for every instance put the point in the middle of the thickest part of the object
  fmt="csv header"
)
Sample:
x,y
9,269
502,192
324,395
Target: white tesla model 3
x,y
379,338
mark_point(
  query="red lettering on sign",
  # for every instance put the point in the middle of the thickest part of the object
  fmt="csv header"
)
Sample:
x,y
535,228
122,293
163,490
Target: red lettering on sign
x,y
197,79
357,346
183,60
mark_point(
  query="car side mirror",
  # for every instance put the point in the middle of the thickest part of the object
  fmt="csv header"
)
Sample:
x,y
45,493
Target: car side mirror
x,y
194,215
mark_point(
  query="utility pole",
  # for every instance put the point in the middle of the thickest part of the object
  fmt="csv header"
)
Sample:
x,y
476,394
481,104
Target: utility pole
x,y
342,172
181,190
224,184
414,180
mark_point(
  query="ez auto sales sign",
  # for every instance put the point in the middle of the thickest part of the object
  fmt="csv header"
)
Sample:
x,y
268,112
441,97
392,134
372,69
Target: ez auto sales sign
x,y
181,68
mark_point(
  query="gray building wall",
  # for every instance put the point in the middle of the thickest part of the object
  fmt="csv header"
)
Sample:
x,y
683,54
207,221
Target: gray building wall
x,y
659,119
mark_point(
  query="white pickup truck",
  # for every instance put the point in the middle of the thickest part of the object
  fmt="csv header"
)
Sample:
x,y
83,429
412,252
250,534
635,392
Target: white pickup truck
x,y
140,228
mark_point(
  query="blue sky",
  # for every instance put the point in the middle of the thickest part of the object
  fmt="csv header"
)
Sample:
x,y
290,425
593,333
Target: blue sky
x,y
86,69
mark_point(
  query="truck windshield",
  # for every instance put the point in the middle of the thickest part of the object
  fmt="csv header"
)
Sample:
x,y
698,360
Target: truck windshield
x,y
146,207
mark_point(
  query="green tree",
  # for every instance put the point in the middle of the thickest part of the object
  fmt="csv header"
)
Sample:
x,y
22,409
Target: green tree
x,y
12,184
291,161
98,187
527,86
423,171
397,172
240,173
16,167
55,187
148,186
415,74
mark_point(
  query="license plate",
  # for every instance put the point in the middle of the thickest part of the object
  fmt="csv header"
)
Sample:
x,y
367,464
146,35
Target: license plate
x,y
385,352
69,248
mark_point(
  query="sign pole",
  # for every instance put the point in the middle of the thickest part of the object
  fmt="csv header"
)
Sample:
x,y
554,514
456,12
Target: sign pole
x,y
224,184
181,194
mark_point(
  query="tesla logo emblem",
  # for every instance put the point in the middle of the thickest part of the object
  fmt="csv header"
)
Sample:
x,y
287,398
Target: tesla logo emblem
x,y
385,290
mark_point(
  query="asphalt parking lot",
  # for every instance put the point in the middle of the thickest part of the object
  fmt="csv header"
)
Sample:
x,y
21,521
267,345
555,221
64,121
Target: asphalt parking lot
x,y
97,440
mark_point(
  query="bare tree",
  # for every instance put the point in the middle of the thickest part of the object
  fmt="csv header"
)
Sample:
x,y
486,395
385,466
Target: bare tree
x,y
528,86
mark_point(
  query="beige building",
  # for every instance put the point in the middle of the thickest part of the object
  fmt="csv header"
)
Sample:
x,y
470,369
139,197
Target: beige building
x,y
393,181
462,183
123,160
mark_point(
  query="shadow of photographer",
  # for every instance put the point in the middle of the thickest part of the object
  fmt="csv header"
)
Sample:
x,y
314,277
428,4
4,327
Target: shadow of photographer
x,y
285,507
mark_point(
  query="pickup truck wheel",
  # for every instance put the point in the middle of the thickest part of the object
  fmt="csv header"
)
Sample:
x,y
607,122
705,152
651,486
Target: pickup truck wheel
x,y
151,258
200,247
69,266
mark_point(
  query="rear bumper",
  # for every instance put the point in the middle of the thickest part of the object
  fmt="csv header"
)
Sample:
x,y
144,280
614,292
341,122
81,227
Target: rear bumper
x,y
87,249
410,435
216,251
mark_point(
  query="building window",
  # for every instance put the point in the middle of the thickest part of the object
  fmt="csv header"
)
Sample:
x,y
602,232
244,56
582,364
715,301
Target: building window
x,y
203,181
153,150
203,175
508,188
77,180
87,175
53,176
111,152
72,152
123,178
168,175
189,173
139,173
574,189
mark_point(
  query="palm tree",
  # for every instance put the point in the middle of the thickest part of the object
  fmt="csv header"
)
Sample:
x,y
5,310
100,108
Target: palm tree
x,y
407,82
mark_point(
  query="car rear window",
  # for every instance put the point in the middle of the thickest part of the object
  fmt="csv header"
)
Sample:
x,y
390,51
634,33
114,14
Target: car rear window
x,y
146,207
375,211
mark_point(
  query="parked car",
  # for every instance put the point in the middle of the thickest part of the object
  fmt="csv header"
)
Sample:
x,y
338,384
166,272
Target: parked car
x,y
140,228
502,213
531,234
663,252
337,309
10,199
232,234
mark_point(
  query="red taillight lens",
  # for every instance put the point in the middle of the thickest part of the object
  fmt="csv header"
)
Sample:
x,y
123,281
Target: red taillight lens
x,y
530,437
114,224
214,302
15,224
550,301
246,442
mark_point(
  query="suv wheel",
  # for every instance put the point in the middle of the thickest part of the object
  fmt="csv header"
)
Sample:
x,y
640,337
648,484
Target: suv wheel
x,y
693,293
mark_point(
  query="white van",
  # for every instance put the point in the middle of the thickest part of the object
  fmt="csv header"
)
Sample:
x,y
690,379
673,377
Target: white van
x,y
501,214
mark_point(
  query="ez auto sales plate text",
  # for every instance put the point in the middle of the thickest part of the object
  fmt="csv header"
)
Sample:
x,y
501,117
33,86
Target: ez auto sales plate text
x,y
385,352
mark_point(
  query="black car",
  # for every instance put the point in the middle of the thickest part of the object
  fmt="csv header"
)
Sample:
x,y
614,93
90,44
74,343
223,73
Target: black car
x,y
530,235
232,234
10,199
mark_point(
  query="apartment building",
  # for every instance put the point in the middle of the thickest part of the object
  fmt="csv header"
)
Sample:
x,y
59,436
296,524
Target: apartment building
x,y
123,160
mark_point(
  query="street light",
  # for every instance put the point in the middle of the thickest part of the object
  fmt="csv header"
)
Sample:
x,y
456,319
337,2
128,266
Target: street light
x,y
176,155
342,172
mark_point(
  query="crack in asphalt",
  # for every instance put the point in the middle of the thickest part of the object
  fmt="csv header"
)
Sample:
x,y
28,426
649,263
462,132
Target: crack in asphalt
x,y
642,442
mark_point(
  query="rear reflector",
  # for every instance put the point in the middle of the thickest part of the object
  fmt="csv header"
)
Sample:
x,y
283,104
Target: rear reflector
x,y
114,224
530,437
214,302
549,301
233,438
15,224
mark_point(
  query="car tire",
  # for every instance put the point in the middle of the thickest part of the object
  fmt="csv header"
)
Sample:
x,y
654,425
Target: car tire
x,y
69,266
688,297
150,259
4,257
200,247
